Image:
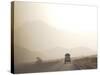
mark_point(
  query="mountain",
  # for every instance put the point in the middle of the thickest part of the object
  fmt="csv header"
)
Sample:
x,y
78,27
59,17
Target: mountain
x,y
77,52
82,52
22,55
38,38
38,34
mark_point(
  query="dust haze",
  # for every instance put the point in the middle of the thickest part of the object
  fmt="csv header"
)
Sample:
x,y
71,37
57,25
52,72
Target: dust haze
x,y
49,32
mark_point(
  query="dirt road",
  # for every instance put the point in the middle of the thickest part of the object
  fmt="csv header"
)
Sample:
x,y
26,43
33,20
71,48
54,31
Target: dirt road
x,y
44,67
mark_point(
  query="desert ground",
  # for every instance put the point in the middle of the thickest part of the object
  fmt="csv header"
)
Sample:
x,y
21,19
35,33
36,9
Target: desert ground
x,y
89,62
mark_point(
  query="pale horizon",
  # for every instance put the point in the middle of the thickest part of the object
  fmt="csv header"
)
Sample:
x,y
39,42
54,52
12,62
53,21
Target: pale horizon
x,y
55,28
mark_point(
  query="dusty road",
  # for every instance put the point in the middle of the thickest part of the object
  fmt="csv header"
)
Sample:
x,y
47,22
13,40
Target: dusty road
x,y
57,65
44,67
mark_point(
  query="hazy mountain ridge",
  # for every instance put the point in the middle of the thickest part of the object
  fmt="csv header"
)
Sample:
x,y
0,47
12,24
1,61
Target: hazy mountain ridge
x,y
47,42
22,55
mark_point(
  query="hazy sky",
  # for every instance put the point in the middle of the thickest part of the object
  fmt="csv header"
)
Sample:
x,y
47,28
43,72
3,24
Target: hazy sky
x,y
43,27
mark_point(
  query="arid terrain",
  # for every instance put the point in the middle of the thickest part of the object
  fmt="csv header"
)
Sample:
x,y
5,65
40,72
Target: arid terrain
x,y
58,65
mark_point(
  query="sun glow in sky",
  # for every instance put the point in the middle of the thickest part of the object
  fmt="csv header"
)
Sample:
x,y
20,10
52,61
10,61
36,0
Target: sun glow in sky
x,y
43,27
63,17
72,18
